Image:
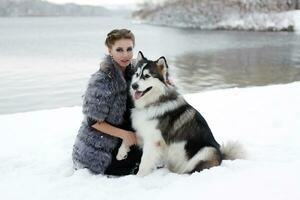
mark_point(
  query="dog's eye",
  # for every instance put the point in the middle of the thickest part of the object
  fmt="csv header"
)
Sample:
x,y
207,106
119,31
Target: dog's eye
x,y
136,74
147,76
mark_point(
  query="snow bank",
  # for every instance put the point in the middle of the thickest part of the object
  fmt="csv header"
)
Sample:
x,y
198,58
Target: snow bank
x,y
35,153
250,22
258,15
295,16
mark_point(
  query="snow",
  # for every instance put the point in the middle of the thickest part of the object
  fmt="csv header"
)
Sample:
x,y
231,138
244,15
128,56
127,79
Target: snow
x,y
256,21
221,15
283,21
35,153
295,15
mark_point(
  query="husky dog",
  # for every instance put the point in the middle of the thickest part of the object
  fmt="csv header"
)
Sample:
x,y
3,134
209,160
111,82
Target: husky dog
x,y
169,129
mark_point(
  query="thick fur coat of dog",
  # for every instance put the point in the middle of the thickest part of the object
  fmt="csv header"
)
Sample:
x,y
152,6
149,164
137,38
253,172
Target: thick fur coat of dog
x,y
170,131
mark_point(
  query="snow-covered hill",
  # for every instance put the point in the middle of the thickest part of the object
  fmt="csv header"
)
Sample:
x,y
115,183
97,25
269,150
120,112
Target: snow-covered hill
x,y
260,15
35,153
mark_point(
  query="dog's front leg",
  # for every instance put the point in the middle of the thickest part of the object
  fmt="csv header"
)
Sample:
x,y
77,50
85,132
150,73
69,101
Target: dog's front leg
x,y
151,156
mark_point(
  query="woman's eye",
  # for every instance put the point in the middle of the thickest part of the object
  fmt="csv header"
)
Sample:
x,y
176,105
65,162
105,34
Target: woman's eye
x,y
119,50
129,49
147,76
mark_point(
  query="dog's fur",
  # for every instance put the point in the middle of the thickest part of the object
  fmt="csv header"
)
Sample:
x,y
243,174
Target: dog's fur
x,y
170,130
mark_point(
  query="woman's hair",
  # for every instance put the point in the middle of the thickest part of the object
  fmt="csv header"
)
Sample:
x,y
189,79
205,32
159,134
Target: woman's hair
x,y
118,34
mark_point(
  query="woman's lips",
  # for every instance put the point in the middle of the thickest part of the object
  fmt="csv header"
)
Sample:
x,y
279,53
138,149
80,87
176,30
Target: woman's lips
x,y
124,61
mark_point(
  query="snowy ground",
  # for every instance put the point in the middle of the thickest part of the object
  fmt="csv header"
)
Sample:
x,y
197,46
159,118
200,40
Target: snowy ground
x,y
35,153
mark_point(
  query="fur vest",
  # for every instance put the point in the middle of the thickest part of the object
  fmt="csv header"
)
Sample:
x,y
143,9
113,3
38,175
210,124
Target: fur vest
x,y
106,99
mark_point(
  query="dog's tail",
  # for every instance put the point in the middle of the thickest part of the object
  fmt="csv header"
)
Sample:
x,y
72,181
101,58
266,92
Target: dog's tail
x,y
233,150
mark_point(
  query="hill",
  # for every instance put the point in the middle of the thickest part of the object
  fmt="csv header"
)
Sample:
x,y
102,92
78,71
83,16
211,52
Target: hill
x,y
24,8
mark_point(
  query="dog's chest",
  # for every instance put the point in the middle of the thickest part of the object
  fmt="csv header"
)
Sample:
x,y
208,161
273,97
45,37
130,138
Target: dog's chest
x,y
146,127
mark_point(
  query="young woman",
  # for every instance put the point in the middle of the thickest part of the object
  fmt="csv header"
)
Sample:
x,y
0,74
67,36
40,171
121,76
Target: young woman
x,y
106,107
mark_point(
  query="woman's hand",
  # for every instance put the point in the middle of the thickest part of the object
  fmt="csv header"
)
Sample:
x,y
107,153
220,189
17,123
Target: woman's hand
x,y
129,138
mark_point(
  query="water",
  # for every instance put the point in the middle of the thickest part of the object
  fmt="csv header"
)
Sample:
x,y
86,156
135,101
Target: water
x,y
46,62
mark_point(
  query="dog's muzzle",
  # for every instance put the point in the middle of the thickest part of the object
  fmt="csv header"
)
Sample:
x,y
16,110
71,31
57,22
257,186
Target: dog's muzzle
x,y
138,94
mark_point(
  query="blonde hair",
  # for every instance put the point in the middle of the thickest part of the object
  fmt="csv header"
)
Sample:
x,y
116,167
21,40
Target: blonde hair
x,y
118,34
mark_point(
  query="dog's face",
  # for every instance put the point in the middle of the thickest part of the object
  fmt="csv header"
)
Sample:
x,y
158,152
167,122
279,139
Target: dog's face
x,y
149,80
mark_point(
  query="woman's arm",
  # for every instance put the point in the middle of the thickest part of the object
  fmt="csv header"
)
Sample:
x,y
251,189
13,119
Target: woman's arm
x,y
128,137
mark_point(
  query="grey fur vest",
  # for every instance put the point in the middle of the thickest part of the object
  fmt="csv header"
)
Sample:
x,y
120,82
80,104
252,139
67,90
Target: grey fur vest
x,y
105,100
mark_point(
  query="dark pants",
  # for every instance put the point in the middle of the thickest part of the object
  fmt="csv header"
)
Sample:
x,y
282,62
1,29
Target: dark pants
x,y
127,166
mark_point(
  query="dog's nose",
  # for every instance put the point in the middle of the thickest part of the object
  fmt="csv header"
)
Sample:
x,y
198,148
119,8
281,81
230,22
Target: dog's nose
x,y
135,86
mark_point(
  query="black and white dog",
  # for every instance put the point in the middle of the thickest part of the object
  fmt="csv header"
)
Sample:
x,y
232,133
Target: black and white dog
x,y
170,130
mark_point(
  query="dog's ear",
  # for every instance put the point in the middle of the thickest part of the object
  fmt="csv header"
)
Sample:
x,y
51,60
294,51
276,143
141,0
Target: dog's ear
x,y
140,57
162,67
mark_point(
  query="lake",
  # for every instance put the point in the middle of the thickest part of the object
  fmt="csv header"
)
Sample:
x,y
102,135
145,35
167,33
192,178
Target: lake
x,y
46,62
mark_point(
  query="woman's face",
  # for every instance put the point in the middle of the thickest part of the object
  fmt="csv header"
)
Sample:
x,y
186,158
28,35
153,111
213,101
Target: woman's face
x,y
122,52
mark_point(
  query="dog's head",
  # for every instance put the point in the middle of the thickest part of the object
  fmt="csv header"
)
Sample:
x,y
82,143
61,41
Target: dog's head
x,y
149,81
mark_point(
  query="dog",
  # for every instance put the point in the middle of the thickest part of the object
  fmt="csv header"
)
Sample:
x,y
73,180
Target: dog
x,y
170,130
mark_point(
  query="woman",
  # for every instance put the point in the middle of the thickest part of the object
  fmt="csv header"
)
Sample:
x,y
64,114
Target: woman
x,y
106,107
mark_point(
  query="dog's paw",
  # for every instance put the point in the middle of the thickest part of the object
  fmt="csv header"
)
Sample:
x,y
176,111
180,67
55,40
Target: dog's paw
x,y
121,155
123,151
142,173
